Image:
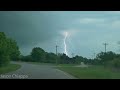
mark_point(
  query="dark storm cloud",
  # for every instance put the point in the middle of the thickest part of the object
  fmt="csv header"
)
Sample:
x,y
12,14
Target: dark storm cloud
x,y
43,28
27,27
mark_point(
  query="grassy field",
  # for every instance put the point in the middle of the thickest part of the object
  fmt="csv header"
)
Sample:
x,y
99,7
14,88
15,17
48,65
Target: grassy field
x,y
9,68
93,72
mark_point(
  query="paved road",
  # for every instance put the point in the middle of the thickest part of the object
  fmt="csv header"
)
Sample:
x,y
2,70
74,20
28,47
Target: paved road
x,y
32,71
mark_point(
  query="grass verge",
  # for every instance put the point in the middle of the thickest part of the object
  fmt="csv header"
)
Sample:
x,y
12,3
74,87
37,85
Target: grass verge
x,y
93,72
9,68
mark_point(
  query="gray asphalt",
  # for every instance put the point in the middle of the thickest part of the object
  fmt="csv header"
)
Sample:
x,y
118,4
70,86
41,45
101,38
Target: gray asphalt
x,y
32,71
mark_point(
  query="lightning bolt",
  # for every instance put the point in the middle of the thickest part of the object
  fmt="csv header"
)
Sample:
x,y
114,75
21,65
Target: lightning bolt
x,y
65,46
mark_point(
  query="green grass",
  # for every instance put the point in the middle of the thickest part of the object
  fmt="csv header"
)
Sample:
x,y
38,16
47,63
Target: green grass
x,y
93,72
9,68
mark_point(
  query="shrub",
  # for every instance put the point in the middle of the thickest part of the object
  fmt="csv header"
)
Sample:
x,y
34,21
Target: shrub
x,y
114,63
4,60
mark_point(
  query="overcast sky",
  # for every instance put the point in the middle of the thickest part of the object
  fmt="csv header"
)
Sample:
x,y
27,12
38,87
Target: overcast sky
x,y
87,30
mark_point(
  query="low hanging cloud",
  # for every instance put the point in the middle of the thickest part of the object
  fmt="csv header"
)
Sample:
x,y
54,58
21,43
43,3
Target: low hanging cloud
x,y
116,24
113,12
91,20
109,23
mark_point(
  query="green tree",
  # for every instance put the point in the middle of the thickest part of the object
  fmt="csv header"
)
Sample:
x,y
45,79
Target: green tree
x,y
4,54
38,54
106,56
64,59
8,49
13,50
51,58
27,58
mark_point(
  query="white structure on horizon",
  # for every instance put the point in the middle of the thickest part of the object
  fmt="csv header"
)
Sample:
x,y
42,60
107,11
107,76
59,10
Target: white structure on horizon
x,y
82,65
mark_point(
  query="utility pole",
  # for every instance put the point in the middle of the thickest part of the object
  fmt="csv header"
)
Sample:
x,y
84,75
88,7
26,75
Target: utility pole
x,y
56,49
56,53
105,46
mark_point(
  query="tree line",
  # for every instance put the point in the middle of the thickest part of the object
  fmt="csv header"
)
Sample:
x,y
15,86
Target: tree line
x,y
103,58
39,55
9,50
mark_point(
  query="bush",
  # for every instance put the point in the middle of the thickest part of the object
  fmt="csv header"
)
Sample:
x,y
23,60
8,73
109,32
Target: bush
x,y
114,63
4,60
26,58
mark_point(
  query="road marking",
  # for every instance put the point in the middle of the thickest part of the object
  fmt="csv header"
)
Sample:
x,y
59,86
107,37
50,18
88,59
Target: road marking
x,y
65,74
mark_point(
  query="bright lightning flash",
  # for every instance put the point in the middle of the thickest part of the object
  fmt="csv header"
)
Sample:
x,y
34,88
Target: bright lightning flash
x,y
65,46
